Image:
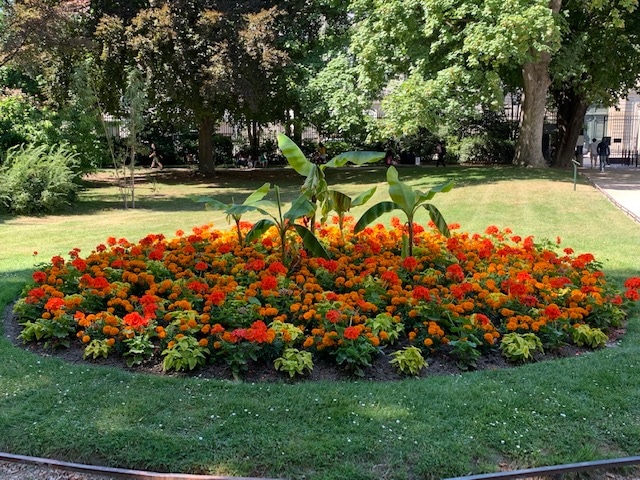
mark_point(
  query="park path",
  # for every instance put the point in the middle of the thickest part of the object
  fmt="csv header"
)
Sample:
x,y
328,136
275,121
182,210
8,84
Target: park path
x,y
620,184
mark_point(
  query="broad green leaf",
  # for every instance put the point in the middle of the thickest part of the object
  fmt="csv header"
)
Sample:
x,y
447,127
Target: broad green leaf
x,y
294,155
355,157
260,227
363,197
301,207
339,201
401,193
239,210
373,213
310,242
213,204
438,219
258,195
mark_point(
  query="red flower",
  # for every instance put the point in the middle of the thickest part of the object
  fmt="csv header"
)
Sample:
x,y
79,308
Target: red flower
x,y
333,316
351,333
79,264
269,283
225,248
54,304
633,282
632,295
455,272
198,287
421,293
39,277
390,277
256,265
201,266
135,320
552,311
277,268
217,297
410,264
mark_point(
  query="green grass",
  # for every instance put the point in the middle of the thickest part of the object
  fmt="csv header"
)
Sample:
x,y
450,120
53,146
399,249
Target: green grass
x,y
570,410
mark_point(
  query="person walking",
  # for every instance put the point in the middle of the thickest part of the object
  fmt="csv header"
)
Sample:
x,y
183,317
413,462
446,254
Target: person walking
x,y
593,152
440,153
155,157
603,153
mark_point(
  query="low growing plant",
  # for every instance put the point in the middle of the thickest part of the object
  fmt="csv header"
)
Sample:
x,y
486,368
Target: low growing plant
x,y
520,347
585,335
185,353
294,362
409,361
97,348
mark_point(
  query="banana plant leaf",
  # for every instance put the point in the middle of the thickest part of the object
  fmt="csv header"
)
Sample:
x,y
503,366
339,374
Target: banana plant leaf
x,y
310,242
294,155
355,157
260,227
438,219
373,213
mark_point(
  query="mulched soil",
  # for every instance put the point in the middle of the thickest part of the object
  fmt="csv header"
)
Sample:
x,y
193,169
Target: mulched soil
x,y
380,369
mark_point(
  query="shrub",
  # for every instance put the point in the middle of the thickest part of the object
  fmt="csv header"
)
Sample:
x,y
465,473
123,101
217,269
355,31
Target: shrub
x,y
38,179
409,361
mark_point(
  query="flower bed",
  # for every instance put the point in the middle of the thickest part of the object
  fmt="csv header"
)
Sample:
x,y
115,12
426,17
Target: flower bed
x,y
204,297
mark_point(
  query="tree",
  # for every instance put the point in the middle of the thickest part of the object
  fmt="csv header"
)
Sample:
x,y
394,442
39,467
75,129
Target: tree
x,y
182,47
257,63
446,58
597,64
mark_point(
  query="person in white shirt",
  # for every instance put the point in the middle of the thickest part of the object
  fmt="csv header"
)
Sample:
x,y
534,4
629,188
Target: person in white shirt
x,y
593,152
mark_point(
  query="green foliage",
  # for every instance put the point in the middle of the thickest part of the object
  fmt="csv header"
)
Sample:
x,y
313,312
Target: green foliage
x,y
139,349
315,187
585,335
409,361
97,348
185,354
38,179
466,352
408,200
384,323
355,354
235,211
294,362
301,207
520,347
56,331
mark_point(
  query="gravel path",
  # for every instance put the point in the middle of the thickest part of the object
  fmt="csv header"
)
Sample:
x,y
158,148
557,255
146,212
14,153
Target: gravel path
x,y
22,471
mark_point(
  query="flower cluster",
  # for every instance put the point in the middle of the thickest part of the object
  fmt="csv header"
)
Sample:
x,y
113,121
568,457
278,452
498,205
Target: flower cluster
x,y
219,300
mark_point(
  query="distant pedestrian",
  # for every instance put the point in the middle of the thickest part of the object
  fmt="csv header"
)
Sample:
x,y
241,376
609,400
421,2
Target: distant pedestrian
x,y
603,153
389,158
593,152
441,151
155,157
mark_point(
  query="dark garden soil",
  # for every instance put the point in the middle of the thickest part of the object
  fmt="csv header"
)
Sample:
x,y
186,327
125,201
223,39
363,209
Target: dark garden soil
x,y
324,369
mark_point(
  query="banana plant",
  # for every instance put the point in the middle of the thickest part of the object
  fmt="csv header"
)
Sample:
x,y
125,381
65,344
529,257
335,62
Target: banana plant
x,y
405,198
235,211
315,186
285,222
342,203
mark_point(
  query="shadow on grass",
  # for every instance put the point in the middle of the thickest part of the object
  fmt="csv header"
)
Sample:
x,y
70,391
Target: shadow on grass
x,y
229,185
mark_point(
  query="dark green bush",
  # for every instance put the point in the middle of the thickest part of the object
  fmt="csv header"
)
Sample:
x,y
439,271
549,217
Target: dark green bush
x,y
38,179
484,149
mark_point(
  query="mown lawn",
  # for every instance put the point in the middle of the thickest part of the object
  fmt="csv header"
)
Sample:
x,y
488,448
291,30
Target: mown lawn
x,y
570,410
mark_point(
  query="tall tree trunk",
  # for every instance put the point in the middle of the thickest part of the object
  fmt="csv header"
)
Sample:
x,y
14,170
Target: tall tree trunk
x,y
205,144
536,85
571,111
